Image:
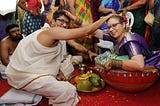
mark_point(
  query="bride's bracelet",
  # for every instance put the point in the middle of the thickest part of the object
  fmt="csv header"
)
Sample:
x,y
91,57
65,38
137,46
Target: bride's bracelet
x,y
116,63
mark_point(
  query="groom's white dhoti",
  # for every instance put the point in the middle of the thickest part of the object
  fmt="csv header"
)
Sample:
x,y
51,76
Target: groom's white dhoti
x,y
34,67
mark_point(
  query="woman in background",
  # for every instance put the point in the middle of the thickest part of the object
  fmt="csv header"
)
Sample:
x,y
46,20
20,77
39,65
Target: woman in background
x,y
155,29
32,18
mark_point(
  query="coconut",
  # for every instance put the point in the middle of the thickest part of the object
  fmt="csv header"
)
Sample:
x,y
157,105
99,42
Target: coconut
x,y
84,85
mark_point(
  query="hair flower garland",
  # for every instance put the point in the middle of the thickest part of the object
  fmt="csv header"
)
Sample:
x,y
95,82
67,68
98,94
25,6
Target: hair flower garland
x,y
125,19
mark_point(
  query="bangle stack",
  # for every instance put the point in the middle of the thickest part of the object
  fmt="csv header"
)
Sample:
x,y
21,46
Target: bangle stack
x,y
78,21
116,63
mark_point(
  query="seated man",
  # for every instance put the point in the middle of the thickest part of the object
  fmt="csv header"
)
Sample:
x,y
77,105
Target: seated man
x,y
9,43
36,63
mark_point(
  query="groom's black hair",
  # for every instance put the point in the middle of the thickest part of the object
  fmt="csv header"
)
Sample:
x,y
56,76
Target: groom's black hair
x,y
59,13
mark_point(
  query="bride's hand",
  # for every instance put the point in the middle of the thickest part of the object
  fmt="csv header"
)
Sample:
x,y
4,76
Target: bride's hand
x,y
107,65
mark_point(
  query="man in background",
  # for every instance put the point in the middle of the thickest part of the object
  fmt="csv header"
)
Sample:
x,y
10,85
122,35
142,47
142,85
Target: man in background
x,y
9,44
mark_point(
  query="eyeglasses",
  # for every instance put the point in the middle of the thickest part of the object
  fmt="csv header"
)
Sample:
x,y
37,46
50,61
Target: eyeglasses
x,y
113,26
63,21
